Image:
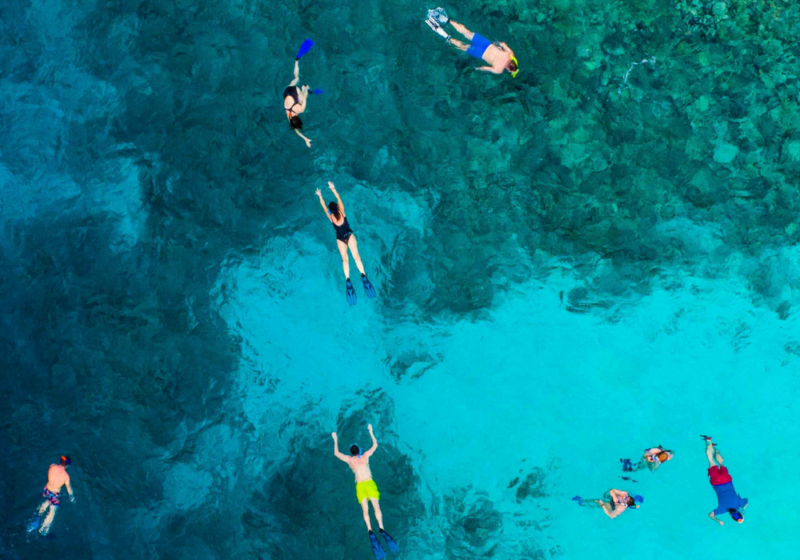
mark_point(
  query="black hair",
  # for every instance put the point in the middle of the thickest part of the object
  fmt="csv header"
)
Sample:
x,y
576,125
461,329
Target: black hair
x,y
334,208
65,461
354,450
735,514
296,123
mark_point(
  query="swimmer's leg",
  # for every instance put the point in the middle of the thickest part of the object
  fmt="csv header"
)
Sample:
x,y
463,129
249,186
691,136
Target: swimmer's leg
x,y
463,30
710,454
378,515
459,45
47,521
718,457
365,511
593,503
345,259
43,508
353,244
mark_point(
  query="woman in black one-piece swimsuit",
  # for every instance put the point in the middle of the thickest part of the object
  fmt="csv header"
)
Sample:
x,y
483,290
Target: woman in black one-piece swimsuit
x,y
294,103
346,239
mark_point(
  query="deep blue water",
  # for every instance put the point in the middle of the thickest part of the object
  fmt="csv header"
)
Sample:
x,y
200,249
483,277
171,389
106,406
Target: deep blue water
x,y
589,259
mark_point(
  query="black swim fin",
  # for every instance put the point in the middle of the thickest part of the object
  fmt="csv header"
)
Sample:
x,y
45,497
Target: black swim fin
x,y
350,293
369,289
390,542
377,549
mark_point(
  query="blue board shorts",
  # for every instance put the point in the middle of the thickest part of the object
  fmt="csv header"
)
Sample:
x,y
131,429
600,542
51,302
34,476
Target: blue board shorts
x,y
478,46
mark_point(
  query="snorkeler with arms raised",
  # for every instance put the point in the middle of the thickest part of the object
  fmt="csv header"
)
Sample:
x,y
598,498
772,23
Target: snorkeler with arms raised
x,y
345,239
728,501
614,502
57,478
497,55
366,490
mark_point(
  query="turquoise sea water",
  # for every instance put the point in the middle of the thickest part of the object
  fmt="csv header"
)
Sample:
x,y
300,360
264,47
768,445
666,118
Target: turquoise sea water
x,y
592,258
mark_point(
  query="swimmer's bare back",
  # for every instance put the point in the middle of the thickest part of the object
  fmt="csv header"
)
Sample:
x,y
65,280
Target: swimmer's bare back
x,y
498,58
57,477
360,467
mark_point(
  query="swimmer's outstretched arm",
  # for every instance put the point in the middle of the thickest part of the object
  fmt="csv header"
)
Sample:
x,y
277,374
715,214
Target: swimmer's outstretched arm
x,y
713,518
307,140
296,73
488,69
339,454
332,187
372,449
69,489
327,213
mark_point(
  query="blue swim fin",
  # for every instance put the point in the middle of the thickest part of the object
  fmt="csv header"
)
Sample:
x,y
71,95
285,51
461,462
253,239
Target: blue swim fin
x,y
351,293
390,542
304,48
317,92
34,524
376,546
439,15
369,289
578,499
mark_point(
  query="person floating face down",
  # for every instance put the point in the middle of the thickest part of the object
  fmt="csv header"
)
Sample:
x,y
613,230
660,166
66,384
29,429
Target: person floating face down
x,y
57,477
652,459
614,502
728,501
294,103
345,239
366,489
498,55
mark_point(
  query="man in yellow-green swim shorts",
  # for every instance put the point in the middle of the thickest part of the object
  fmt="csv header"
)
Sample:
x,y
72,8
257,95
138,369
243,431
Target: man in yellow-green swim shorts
x,y
366,490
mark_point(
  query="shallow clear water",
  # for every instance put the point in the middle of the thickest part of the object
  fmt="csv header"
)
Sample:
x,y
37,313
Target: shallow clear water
x,y
589,259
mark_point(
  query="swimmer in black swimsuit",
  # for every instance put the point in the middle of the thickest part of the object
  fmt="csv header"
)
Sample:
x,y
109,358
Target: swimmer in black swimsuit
x,y
345,238
294,103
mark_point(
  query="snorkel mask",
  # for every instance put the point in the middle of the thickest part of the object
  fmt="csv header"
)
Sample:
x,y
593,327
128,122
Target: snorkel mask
x,y
515,72
65,460
736,515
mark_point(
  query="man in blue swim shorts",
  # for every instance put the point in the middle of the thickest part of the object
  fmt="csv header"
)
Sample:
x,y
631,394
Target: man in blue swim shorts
x,y
498,56
728,501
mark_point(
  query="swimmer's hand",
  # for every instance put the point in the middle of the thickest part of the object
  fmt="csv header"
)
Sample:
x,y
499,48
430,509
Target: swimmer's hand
x,y
331,186
369,427
319,194
72,498
308,142
333,434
